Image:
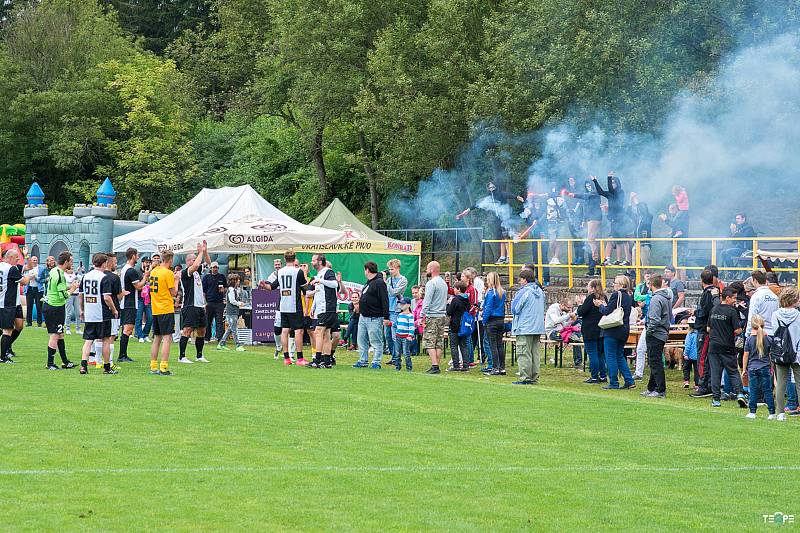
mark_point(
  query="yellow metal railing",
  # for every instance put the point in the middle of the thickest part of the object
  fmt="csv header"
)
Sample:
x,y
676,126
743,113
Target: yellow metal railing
x,y
783,244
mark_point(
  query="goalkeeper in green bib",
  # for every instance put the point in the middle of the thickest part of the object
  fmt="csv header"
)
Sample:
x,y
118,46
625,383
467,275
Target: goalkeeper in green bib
x,y
54,308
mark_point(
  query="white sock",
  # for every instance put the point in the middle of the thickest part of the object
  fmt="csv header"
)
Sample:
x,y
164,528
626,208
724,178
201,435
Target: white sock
x,y
111,354
98,350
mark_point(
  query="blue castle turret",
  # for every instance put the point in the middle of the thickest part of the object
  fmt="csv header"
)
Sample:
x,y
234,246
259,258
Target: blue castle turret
x,y
35,206
35,195
106,193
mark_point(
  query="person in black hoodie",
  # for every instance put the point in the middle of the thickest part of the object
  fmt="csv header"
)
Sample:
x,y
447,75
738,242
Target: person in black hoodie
x,y
592,341
593,216
708,300
614,338
618,219
374,307
458,305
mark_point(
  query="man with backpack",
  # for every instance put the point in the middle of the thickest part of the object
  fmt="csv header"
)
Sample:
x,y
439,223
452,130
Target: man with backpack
x,y
786,345
456,309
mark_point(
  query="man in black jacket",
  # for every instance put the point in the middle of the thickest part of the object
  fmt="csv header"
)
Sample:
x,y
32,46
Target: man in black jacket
x,y
708,300
739,229
374,316
214,285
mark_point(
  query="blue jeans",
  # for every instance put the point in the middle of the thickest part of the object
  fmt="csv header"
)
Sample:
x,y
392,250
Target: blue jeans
x,y
791,394
615,358
597,358
414,345
391,337
146,312
761,381
403,350
487,349
389,333
370,333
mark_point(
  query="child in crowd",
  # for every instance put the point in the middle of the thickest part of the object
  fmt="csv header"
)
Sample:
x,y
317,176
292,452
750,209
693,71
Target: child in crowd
x,y
233,301
458,305
351,333
405,334
690,359
756,362
415,299
419,322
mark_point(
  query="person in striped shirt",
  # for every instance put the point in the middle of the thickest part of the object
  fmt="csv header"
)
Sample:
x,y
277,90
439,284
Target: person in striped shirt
x,y
405,334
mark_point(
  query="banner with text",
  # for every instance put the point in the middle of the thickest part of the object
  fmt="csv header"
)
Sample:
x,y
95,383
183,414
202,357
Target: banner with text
x,y
265,305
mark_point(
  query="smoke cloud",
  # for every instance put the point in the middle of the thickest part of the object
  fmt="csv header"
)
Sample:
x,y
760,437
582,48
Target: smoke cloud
x,y
734,147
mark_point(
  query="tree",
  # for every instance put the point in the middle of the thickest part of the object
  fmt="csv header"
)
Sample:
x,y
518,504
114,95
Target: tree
x,y
159,22
152,157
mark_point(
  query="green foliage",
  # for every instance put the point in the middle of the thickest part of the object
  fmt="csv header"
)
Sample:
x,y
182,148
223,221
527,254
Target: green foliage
x,y
159,22
152,157
306,99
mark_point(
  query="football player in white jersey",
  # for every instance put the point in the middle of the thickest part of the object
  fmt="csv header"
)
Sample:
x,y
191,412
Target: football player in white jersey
x,y
193,312
97,310
325,303
11,319
292,283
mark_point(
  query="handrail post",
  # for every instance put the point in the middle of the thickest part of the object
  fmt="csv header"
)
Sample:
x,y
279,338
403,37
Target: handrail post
x,y
483,251
713,252
755,255
601,266
638,262
539,260
675,254
458,253
510,244
569,263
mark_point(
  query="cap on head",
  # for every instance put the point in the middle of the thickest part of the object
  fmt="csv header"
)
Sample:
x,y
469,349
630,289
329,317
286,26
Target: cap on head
x,y
214,265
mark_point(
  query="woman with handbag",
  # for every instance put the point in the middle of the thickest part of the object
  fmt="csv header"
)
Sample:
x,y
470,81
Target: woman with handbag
x,y
615,324
590,318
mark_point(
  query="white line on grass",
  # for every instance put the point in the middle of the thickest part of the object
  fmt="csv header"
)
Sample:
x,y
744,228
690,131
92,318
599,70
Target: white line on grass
x,y
397,469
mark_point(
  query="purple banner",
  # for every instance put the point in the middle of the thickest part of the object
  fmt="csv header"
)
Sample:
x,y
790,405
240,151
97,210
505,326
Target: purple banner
x,y
265,305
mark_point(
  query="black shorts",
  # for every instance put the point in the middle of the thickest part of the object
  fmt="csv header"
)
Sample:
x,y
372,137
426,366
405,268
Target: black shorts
x,y
19,314
7,317
193,317
278,331
308,323
292,321
163,324
328,321
54,317
128,316
94,331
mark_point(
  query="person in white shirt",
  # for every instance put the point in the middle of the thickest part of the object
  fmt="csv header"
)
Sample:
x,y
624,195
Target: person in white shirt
x,y
762,302
556,317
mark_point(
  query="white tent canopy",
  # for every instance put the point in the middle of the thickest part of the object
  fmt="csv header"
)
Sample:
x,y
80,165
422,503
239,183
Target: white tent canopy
x,y
254,234
206,210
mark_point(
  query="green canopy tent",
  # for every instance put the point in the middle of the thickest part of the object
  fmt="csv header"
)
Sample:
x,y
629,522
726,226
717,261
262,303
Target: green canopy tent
x,y
363,244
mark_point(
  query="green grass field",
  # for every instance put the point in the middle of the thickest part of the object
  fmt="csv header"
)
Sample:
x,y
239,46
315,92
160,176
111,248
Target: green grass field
x,y
246,443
